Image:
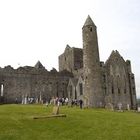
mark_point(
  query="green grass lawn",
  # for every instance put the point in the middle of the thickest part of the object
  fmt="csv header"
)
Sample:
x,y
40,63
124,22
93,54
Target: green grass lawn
x,y
17,123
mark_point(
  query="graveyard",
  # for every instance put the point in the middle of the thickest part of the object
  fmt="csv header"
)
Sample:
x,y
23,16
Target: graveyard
x,y
17,123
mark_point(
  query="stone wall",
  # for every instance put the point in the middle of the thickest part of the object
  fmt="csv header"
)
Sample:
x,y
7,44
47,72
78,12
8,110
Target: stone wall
x,y
119,85
71,59
81,76
32,82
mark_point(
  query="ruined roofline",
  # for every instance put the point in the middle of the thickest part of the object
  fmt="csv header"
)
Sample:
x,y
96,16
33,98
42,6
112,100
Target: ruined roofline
x,y
114,53
39,65
69,48
28,70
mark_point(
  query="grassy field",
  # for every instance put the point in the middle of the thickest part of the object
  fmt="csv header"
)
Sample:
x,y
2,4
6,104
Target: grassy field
x,y
17,123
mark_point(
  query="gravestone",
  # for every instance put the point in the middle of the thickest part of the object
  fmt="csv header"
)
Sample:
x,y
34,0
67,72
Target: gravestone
x,y
109,106
55,110
112,108
55,113
120,107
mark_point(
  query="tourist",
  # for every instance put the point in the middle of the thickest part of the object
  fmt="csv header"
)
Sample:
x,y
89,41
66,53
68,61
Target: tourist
x,y
81,103
66,101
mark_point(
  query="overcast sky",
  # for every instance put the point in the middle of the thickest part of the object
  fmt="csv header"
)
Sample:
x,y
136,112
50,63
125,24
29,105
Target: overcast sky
x,y
32,30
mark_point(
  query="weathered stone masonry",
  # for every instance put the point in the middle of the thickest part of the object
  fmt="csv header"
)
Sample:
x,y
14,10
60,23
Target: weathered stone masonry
x,y
81,76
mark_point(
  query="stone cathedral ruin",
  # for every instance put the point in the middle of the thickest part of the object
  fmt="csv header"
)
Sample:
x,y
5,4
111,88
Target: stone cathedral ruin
x,y
81,76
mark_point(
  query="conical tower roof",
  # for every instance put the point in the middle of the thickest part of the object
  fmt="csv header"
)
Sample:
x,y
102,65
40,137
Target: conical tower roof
x,y
38,65
89,21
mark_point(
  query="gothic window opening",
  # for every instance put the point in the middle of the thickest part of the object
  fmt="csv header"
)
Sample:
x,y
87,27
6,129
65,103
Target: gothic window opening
x,y
91,29
81,88
112,82
125,91
2,88
75,94
112,90
119,91
118,84
124,84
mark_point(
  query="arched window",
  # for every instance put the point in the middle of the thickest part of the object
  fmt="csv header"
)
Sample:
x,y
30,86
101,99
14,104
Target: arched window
x,y
112,84
124,84
75,94
118,84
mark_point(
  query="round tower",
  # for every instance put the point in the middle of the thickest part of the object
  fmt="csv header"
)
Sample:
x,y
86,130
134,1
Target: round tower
x,y
91,65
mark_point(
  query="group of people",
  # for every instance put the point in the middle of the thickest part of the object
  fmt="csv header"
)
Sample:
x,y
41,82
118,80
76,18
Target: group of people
x,y
53,101
65,101
75,102
59,101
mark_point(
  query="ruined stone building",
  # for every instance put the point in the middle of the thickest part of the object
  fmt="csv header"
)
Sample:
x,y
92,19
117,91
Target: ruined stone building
x,y
81,76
